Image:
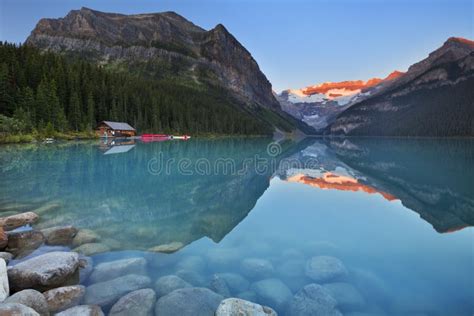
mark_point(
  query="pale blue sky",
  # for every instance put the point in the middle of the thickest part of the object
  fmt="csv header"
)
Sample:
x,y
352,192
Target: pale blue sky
x,y
296,43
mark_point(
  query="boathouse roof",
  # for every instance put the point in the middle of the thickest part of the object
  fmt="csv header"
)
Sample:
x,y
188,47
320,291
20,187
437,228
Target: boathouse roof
x,y
118,126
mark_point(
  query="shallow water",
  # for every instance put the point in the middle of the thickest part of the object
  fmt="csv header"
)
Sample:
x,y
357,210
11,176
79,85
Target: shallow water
x,y
398,213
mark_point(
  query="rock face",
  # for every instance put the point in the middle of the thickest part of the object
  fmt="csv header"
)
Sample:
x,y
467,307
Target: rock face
x,y
59,236
82,310
313,300
189,302
44,272
325,269
272,292
4,286
168,284
238,307
18,220
32,299
114,269
141,302
62,298
21,244
17,309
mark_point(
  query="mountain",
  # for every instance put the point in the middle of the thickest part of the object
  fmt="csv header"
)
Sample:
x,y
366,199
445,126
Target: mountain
x,y
319,104
435,97
166,46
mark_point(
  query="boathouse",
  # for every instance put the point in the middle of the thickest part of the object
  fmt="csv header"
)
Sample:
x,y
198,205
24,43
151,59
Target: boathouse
x,y
115,129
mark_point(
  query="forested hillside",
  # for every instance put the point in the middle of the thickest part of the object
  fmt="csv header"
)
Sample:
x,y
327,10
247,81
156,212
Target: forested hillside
x,y
50,91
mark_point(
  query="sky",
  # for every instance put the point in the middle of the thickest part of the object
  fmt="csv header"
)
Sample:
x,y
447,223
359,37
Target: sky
x,y
295,42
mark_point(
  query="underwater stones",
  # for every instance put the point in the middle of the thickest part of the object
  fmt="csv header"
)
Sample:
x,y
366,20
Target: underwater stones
x,y
192,277
248,296
113,269
222,258
194,263
82,310
140,302
6,256
85,236
47,208
21,244
239,307
59,235
105,294
313,300
234,281
86,266
4,286
193,301
14,221
90,249
46,271
167,248
62,298
346,295
325,268
256,268
168,283
15,309
219,286
291,268
32,299
272,292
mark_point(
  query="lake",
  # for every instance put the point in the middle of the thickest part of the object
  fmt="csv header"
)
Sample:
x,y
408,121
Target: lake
x,y
245,216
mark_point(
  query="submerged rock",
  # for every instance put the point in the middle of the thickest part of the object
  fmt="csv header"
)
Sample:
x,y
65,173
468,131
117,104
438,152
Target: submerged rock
x,y
59,235
239,307
82,310
255,268
32,299
272,292
21,244
14,221
140,302
325,269
105,294
168,283
113,269
15,309
188,302
62,298
194,263
86,267
219,286
192,277
6,256
220,259
45,272
85,236
4,286
313,300
346,295
167,248
91,249
234,281
248,296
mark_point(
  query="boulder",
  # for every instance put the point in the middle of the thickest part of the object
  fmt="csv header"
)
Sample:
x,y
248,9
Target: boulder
x,y
313,300
6,256
238,307
32,299
86,267
4,286
235,282
90,249
272,292
45,272
3,238
62,298
107,293
255,268
167,248
113,269
325,269
59,235
85,236
140,302
193,301
219,286
14,309
14,221
347,296
82,310
21,244
168,283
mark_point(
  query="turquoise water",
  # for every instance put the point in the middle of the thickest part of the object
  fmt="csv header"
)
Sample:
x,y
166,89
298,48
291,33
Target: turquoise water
x,y
397,213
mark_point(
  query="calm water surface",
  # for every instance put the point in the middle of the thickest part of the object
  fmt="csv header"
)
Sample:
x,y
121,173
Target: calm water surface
x,y
397,213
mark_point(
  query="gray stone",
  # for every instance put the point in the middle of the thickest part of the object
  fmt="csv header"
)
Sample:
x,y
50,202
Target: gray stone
x,y
167,248
32,299
248,296
113,269
235,282
238,307
15,309
85,236
140,302
62,298
347,296
86,267
192,277
193,263
14,221
105,294
21,244
45,272
59,235
255,268
313,300
272,292
168,283
82,310
6,256
188,302
219,286
4,286
91,249
325,269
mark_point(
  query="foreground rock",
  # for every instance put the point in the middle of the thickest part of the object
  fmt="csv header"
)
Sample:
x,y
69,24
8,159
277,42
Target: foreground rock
x,y
45,272
255,268
347,296
168,248
168,284
194,301
105,294
90,249
21,244
14,221
15,309
4,286
59,236
141,302
238,307
272,292
82,310
85,236
114,269
32,299
313,300
62,298
325,269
